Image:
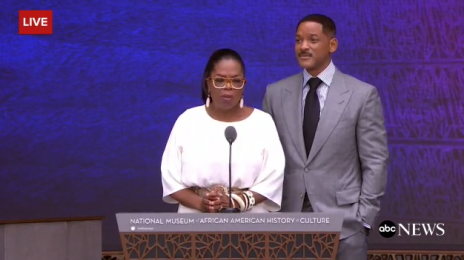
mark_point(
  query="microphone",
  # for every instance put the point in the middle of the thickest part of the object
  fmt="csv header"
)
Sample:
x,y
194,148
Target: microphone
x,y
231,134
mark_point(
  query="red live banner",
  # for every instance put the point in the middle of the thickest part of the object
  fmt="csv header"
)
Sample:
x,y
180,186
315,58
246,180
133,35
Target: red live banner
x,y
35,22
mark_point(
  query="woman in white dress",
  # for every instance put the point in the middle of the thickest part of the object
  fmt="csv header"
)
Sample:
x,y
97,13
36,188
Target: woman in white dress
x,y
195,163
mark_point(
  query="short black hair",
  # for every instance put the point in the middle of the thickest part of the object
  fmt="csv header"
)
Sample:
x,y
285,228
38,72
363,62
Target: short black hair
x,y
328,25
216,57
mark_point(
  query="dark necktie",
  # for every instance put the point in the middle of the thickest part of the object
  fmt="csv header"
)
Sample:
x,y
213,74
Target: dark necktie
x,y
311,113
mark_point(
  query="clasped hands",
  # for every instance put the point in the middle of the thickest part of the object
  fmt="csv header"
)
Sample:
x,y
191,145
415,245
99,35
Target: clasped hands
x,y
214,201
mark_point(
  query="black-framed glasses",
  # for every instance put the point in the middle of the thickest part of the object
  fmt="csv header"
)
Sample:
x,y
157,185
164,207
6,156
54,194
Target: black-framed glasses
x,y
221,83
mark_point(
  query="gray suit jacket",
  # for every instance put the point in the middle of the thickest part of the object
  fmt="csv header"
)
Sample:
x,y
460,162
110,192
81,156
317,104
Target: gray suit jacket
x,y
346,170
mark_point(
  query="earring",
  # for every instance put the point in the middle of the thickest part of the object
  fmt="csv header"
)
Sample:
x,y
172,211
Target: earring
x,y
241,102
208,101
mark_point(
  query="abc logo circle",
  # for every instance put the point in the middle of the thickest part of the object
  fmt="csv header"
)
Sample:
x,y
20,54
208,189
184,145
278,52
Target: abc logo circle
x,y
387,229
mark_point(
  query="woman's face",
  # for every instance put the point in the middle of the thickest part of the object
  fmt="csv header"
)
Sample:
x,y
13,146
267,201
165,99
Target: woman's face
x,y
226,83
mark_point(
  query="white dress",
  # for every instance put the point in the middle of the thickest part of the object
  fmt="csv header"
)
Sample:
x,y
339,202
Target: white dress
x,y
197,154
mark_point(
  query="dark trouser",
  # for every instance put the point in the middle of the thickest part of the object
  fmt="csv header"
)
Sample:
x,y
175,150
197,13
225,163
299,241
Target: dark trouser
x,y
306,204
350,248
353,247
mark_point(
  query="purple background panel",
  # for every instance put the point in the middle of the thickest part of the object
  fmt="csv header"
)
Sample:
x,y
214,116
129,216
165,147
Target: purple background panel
x,y
85,113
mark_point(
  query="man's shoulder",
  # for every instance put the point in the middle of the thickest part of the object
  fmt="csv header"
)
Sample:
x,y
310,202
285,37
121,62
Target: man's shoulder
x,y
291,80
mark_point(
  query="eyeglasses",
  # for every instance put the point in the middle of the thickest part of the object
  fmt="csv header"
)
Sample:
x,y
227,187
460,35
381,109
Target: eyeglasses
x,y
220,83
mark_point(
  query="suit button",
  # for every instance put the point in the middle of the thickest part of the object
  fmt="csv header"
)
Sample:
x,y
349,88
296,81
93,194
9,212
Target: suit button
x,y
301,195
306,169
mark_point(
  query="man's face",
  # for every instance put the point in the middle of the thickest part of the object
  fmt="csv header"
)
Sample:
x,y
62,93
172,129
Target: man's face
x,y
313,47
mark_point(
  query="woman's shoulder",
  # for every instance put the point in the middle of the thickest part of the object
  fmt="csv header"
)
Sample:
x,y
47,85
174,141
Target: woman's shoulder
x,y
261,116
193,113
259,119
190,116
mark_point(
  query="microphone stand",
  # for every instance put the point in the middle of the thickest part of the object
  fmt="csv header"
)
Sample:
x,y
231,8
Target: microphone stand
x,y
230,209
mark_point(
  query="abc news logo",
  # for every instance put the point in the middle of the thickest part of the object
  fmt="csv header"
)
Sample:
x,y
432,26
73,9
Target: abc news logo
x,y
389,229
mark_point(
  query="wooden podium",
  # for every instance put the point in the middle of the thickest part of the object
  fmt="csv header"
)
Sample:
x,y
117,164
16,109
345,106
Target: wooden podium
x,y
51,239
263,236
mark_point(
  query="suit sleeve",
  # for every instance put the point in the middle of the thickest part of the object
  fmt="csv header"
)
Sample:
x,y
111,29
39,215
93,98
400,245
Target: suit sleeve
x,y
270,181
373,155
171,165
267,103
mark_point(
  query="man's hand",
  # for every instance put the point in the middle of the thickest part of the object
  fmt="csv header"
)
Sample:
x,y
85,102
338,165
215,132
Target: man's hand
x,y
367,231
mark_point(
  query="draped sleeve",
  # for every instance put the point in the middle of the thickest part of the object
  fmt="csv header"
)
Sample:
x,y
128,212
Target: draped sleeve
x,y
270,180
171,166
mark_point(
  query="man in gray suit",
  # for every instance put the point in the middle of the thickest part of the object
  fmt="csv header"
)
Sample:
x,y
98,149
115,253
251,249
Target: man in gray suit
x,y
332,129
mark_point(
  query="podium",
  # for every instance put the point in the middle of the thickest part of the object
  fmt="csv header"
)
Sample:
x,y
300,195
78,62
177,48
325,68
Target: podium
x,y
51,239
229,236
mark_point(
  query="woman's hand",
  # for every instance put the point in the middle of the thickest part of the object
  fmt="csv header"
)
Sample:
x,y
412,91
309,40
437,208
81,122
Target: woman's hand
x,y
225,202
212,202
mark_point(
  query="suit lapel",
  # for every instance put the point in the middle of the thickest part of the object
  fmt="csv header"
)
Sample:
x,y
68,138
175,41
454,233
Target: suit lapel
x,y
291,103
337,99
